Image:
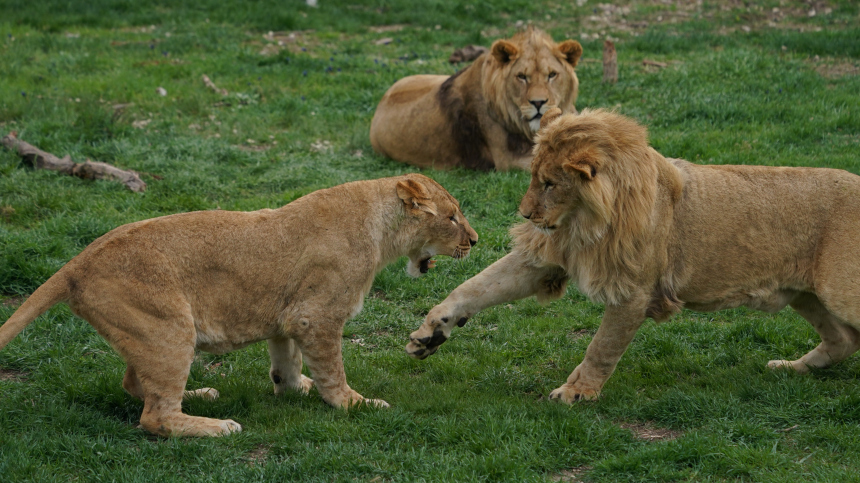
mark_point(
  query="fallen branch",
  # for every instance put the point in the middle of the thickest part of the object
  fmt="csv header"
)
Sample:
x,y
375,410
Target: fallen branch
x,y
654,63
212,85
86,170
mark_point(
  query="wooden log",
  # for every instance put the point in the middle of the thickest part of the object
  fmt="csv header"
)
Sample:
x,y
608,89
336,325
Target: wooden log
x,y
610,62
86,170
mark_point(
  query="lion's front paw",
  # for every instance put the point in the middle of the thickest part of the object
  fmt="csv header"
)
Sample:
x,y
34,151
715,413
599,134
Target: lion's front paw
x,y
306,384
570,393
229,426
206,393
377,403
795,366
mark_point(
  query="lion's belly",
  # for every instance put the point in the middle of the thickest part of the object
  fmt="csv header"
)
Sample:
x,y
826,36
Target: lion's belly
x,y
220,337
766,299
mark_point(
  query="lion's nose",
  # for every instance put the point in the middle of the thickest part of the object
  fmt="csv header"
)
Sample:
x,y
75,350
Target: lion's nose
x,y
473,242
527,216
538,103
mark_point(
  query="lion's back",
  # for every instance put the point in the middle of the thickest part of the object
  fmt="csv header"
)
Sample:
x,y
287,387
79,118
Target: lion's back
x,y
409,120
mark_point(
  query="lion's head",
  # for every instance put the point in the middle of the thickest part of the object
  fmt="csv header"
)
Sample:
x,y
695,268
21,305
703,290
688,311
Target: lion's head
x,y
438,225
594,185
528,74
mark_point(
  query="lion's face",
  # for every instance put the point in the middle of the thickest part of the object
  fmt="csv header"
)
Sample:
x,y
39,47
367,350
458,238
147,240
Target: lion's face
x,y
528,75
560,178
441,227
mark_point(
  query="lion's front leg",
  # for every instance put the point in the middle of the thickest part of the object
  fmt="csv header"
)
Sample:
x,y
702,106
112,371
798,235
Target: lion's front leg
x,y
321,346
512,277
286,369
617,329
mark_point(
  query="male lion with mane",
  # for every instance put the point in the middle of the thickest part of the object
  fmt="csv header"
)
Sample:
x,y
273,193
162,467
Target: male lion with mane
x,y
219,280
646,236
485,116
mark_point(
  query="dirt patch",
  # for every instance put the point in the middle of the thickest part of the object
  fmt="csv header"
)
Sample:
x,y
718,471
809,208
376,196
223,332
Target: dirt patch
x,y
608,19
648,432
253,148
831,68
13,301
10,375
573,474
579,334
257,456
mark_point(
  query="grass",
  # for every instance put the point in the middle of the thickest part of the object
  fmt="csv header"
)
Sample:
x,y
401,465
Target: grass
x,y
691,399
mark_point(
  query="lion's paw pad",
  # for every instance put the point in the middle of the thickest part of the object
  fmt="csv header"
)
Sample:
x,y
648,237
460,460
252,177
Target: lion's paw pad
x,y
307,383
570,395
780,364
229,426
207,393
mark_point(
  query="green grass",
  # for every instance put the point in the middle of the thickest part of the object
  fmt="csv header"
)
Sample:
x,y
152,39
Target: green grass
x,y
783,94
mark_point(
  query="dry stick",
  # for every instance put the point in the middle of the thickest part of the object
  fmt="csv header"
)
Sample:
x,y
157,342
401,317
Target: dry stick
x,y
212,85
86,170
610,62
654,63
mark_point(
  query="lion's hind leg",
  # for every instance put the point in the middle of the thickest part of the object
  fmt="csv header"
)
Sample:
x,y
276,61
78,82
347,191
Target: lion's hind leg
x,y
163,380
158,351
286,370
838,339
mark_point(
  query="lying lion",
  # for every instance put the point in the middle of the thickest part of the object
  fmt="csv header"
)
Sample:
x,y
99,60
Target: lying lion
x,y
647,235
220,280
486,115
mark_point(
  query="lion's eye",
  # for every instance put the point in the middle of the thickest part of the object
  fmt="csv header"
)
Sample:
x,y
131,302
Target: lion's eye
x,y
453,218
552,75
522,76
547,185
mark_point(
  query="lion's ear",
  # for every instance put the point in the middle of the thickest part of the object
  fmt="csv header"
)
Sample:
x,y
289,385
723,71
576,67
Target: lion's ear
x,y
550,116
584,168
415,196
504,51
572,51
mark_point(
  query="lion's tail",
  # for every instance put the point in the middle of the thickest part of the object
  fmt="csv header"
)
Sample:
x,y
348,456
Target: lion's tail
x,y
56,289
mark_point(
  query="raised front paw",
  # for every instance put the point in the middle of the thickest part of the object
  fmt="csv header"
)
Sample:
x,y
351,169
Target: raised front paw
x,y
434,331
570,393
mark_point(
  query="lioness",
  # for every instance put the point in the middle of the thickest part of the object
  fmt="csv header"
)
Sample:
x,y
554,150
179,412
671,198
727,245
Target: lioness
x,y
647,235
219,280
486,115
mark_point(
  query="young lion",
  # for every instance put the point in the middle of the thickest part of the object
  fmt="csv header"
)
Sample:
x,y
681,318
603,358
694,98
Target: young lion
x,y
485,116
219,280
647,235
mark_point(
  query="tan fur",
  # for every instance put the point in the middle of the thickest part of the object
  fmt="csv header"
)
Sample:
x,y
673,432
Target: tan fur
x,y
648,235
484,117
220,280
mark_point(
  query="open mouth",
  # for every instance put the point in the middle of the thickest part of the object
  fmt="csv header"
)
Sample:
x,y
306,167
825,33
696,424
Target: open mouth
x,y
425,265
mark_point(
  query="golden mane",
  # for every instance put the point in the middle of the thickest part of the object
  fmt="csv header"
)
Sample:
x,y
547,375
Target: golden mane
x,y
610,226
